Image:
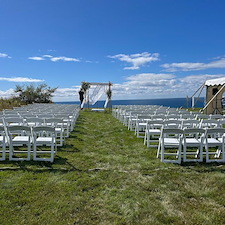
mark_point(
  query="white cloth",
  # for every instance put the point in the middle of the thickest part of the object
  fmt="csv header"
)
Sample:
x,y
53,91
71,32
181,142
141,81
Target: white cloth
x,y
212,82
96,94
106,102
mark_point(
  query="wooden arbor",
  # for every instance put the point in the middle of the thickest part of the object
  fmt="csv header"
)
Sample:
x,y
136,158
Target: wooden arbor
x,y
86,85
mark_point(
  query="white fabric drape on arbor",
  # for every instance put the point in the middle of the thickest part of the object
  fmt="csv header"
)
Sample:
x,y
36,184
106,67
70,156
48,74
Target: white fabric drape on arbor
x,y
96,93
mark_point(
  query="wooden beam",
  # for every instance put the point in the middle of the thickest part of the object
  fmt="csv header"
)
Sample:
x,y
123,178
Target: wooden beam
x,y
94,83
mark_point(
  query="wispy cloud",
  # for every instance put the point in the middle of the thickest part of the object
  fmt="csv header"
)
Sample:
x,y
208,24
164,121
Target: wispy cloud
x,y
54,59
3,55
137,60
64,59
36,58
47,56
188,66
20,79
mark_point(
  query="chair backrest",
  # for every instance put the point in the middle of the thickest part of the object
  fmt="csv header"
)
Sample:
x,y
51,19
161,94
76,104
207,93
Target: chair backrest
x,y
43,129
54,122
209,123
173,117
216,132
202,116
13,121
19,130
154,124
44,116
143,118
194,132
217,116
187,116
172,123
175,132
158,117
34,121
190,123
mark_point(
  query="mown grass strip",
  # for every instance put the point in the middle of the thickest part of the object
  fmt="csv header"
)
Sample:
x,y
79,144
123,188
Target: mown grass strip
x,y
105,175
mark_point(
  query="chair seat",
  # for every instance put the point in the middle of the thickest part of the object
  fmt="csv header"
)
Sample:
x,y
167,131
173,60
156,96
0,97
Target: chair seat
x,y
213,141
171,142
42,140
192,141
58,129
154,131
20,139
142,124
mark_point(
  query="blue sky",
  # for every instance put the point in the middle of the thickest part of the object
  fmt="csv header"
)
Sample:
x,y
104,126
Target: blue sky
x,y
147,48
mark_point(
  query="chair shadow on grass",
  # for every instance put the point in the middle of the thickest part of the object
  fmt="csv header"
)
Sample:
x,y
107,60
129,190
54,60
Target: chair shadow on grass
x,y
60,164
203,167
68,148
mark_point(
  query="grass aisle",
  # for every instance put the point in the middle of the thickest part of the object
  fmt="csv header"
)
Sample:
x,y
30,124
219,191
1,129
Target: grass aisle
x,y
105,175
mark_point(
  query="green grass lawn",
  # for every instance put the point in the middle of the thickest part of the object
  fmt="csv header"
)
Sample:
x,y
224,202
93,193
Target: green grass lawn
x,y
105,175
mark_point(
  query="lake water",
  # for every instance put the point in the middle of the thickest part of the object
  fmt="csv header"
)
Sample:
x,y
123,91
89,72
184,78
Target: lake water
x,y
170,102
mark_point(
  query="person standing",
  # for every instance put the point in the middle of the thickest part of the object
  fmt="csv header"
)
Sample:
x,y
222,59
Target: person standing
x,y
81,94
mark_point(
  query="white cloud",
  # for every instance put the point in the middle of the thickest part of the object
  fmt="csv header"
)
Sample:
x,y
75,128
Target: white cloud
x,y
65,59
150,86
137,60
147,86
3,55
188,66
66,94
8,93
20,79
150,79
47,56
199,79
36,58
54,59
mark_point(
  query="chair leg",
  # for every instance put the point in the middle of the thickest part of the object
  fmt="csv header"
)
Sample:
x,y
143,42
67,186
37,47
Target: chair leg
x,y
3,152
159,148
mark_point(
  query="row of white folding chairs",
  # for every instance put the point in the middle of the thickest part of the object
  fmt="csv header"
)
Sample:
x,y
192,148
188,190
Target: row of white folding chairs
x,y
129,118
119,111
141,122
152,128
143,118
20,142
51,109
67,121
191,145
62,127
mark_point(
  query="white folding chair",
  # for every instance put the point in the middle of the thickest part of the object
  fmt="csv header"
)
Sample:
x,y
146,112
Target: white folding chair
x,y
170,145
59,130
141,123
214,144
67,124
152,132
18,137
193,144
44,136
